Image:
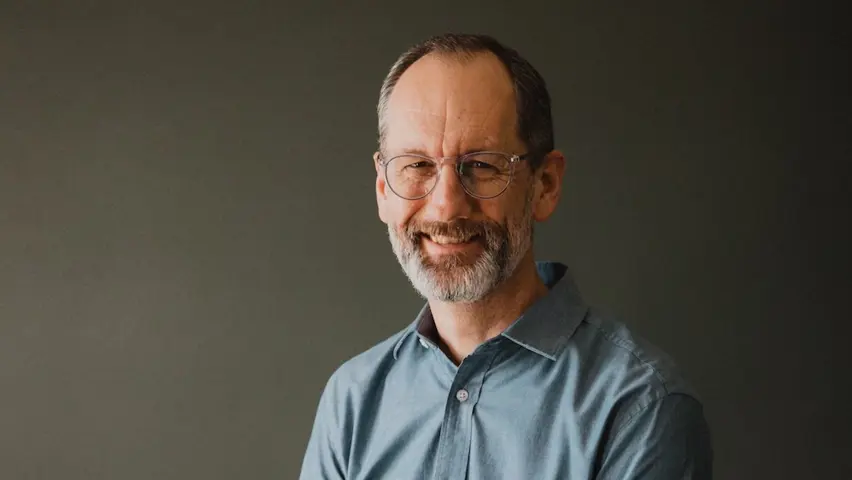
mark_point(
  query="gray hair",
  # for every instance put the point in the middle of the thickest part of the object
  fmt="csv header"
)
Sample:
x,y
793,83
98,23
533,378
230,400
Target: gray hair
x,y
535,124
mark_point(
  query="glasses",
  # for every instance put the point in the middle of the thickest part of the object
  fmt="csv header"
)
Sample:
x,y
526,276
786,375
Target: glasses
x,y
482,174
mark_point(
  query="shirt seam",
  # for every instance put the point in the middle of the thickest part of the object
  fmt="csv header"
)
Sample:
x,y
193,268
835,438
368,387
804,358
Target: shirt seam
x,y
340,464
633,416
644,407
620,343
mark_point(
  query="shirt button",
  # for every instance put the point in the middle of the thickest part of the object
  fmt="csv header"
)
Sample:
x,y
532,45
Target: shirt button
x,y
462,395
424,343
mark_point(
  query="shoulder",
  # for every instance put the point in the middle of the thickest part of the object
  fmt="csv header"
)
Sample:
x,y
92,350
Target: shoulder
x,y
624,369
655,418
633,352
360,372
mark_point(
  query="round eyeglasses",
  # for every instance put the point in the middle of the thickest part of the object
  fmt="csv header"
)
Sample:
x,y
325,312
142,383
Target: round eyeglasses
x,y
483,175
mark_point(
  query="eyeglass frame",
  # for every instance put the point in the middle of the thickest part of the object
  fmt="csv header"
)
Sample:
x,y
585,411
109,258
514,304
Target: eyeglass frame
x,y
514,159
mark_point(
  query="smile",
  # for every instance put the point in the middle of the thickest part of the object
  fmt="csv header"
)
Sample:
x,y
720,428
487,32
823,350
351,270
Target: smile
x,y
444,240
442,245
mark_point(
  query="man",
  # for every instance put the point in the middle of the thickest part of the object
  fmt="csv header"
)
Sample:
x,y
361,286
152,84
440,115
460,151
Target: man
x,y
505,373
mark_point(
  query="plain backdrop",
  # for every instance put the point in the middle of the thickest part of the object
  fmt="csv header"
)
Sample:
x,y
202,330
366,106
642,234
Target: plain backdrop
x,y
189,243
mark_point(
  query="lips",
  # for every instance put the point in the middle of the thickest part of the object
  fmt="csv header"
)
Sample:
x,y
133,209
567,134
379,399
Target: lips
x,y
448,240
437,246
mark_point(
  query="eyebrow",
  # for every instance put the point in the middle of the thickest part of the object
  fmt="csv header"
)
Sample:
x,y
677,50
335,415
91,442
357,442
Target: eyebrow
x,y
420,151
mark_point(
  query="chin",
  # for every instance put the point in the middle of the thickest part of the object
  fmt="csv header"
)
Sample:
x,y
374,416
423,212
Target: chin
x,y
457,283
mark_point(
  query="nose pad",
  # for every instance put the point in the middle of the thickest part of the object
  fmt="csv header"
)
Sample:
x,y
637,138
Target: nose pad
x,y
453,177
449,198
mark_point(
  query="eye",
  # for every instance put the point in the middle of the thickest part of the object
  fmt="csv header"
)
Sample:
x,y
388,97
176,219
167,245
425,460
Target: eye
x,y
421,164
481,165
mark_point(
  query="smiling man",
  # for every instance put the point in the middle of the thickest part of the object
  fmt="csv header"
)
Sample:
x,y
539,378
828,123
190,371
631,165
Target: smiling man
x,y
505,373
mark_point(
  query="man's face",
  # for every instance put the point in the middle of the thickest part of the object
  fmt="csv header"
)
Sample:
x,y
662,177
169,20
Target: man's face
x,y
455,247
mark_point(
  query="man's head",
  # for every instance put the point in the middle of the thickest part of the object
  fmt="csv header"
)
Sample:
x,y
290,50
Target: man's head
x,y
460,221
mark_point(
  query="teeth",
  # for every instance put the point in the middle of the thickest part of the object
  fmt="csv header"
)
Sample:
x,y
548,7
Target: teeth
x,y
442,240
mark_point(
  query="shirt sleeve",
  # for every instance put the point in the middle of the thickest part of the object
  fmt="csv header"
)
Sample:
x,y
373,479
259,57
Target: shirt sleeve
x,y
323,459
668,439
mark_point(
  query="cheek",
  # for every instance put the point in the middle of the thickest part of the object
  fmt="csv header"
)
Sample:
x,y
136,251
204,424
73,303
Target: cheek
x,y
493,210
505,209
400,212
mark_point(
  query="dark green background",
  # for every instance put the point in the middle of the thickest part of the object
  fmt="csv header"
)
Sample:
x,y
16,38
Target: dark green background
x,y
189,244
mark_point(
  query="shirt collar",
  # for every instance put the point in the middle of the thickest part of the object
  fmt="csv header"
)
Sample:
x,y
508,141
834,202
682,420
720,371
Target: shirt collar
x,y
544,328
422,322
547,325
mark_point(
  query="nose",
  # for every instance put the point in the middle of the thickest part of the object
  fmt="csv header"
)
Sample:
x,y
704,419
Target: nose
x,y
448,200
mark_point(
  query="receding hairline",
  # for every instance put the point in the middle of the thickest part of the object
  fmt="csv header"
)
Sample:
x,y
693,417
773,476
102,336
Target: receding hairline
x,y
534,124
448,56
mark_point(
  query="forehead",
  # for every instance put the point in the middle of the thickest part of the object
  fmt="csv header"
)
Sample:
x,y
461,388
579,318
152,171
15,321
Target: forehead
x,y
445,105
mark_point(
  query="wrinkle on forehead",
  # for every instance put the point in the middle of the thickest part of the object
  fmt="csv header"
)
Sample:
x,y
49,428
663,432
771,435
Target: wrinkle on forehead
x,y
443,135
445,108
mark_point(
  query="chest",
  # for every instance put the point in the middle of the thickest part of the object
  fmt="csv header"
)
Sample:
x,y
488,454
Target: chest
x,y
492,420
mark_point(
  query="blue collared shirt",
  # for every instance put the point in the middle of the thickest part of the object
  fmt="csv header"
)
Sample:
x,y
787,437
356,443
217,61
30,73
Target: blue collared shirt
x,y
563,393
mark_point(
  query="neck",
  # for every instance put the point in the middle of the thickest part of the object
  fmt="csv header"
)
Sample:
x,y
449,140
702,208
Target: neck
x,y
464,326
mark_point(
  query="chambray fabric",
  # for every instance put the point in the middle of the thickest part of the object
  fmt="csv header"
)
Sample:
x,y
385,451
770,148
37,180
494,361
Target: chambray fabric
x,y
563,393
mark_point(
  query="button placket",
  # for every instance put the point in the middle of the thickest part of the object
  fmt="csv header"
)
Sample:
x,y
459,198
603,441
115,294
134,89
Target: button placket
x,y
456,430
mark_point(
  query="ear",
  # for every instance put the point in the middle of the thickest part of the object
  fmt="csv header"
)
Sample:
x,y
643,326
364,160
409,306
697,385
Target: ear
x,y
548,185
381,188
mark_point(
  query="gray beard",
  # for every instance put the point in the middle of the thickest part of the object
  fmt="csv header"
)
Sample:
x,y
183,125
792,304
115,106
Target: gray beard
x,y
458,279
